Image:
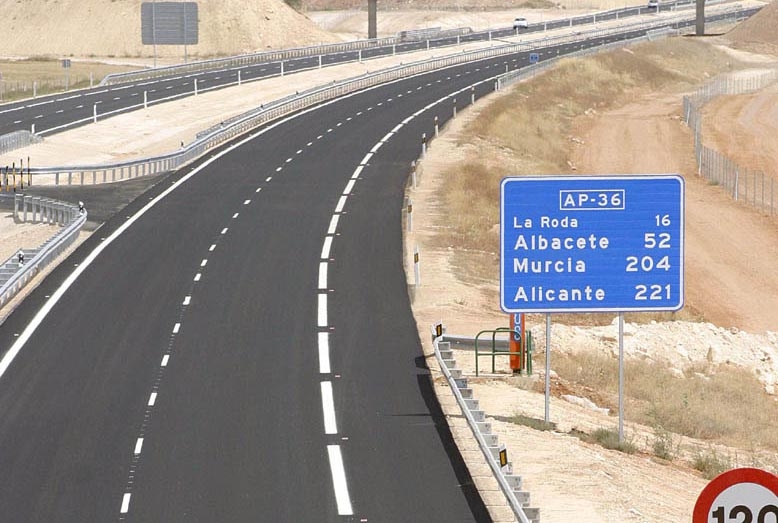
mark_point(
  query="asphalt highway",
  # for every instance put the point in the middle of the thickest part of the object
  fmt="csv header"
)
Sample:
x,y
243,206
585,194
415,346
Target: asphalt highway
x,y
55,113
237,343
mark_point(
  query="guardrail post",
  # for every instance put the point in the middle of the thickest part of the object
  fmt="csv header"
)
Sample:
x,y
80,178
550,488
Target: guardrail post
x,y
360,56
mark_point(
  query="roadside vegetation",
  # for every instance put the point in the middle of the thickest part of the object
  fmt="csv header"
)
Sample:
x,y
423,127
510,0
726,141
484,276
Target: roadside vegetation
x,y
18,76
530,131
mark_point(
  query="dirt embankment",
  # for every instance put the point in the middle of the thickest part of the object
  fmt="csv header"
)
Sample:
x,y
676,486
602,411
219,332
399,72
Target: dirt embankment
x,y
99,28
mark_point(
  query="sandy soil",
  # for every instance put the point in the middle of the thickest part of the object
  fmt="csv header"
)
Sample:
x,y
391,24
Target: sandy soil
x,y
728,281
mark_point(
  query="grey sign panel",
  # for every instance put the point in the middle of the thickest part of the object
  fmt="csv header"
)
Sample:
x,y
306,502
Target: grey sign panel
x,y
169,23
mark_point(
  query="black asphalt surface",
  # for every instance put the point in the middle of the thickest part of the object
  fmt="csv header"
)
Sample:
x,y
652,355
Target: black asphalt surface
x,y
55,113
178,379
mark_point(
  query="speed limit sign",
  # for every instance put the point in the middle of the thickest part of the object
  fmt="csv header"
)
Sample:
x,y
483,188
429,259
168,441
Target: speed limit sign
x,y
739,496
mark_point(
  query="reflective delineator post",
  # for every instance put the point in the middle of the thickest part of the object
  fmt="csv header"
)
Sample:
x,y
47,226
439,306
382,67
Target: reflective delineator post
x,y
413,173
423,144
437,132
472,95
94,113
455,107
416,266
410,215
195,86
238,76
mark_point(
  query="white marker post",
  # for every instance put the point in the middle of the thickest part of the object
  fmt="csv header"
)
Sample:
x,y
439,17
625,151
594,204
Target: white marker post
x,y
145,99
436,127
410,215
423,145
195,86
94,113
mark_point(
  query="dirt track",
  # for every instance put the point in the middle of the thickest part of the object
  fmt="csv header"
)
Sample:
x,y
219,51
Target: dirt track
x,y
730,248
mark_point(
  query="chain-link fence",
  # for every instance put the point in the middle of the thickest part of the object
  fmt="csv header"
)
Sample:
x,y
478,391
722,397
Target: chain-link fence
x,y
755,187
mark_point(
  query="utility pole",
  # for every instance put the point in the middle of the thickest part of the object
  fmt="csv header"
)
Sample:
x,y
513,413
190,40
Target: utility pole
x,y
700,18
372,8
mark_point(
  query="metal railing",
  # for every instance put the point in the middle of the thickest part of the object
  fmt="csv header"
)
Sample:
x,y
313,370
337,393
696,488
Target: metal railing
x,y
509,484
17,140
103,173
751,186
25,264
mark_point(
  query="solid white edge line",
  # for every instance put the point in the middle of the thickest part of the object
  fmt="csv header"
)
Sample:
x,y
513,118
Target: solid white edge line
x,y
341,203
6,361
326,248
322,310
324,353
333,224
328,406
342,497
349,187
126,502
323,276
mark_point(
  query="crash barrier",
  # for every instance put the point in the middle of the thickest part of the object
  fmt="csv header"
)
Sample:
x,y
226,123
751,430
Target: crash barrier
x,y
751,186
496,455
324,49
19,269
247,121
17,140
672,28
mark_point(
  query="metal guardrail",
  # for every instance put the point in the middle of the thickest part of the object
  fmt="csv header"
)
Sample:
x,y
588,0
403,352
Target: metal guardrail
x,y
324,49
510,484
19,269
16,140
667,30
240,124
245,60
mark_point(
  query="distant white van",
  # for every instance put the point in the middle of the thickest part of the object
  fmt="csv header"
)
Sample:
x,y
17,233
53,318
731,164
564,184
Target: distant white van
x,y
653,4
520,23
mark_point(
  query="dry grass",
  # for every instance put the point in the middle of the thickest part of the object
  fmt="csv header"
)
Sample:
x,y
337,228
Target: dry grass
x,y
528,131
724,404
18,76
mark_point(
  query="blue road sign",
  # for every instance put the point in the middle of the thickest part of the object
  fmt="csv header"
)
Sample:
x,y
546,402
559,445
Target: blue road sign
x,y
534,58
591,244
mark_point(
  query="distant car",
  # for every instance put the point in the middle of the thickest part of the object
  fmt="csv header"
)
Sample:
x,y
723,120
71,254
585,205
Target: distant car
x,y
653,4
522,23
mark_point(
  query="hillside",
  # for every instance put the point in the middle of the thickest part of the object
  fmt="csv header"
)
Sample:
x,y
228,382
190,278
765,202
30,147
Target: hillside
x,y
758,33
89,28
